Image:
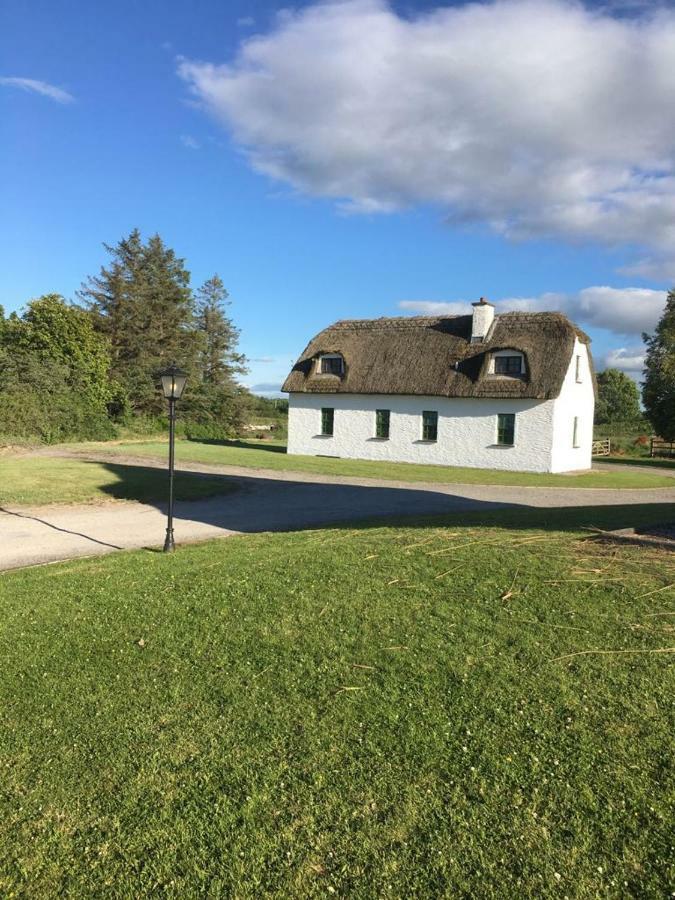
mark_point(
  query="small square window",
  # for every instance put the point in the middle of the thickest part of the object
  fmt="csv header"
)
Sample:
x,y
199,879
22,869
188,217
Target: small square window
x,y
506,429
429,425
327,420
331,365
382,423
508,365
575,432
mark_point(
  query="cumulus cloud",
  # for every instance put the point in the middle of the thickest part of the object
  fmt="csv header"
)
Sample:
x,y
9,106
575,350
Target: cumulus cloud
x,y
38,87
628,359
533,117
624,311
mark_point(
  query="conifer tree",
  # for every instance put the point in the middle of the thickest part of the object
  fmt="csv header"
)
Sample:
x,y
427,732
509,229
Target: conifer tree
x,y
143,303
658,393
219,357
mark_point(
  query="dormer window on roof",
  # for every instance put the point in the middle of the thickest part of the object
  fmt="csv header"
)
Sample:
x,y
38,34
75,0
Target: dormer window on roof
x,y
507,362
331,364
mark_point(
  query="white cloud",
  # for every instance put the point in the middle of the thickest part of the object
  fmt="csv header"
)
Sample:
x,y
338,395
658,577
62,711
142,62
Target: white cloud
x,y
39,87
624,311
628,359
190,142
533,117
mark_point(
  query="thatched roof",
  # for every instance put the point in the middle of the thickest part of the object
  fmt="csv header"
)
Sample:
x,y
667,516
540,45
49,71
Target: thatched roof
x,y
433,356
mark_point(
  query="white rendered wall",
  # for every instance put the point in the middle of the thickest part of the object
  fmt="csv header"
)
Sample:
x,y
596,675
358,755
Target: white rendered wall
x,y
467,430
576,399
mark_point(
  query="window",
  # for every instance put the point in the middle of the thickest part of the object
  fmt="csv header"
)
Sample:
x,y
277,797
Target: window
x,y
578,369
382,423
506,429
508,365
327,420
429,425
331,365
575,431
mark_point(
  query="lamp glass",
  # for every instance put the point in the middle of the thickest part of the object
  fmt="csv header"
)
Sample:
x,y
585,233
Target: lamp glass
x,y
173,382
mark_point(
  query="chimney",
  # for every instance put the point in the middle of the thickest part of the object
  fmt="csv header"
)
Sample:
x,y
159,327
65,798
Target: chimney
x,y
481,322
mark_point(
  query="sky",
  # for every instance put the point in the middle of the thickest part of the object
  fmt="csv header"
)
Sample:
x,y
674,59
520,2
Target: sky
x,y
348,159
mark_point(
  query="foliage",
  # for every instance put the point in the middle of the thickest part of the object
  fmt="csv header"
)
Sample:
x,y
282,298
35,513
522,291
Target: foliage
x,y
272,455
334,713
142,301
618,398
54,374
143,304
219,359
658,393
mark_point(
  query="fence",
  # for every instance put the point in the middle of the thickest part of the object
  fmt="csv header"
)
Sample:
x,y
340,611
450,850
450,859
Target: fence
x,y
657,447
602,448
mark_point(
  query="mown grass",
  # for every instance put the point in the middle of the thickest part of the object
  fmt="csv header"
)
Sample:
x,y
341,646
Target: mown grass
x,y
271,455
38,480
362,712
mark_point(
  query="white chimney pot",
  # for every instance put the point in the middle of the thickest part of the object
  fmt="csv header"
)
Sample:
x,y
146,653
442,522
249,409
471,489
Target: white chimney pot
x,y
481,322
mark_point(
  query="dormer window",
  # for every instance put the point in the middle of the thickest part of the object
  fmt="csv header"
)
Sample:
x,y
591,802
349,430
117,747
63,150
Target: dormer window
x,y
508,362
331,364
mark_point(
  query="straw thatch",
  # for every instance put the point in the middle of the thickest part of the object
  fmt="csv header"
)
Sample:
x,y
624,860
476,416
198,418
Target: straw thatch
x,y
433,356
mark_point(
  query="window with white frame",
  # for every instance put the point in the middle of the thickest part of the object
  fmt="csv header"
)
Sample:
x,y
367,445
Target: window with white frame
x,y
575,432
507,362
578,369
331,364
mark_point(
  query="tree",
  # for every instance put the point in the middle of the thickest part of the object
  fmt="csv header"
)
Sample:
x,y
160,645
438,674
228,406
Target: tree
x,y
219,358
54,372
618,398
658,393
143,303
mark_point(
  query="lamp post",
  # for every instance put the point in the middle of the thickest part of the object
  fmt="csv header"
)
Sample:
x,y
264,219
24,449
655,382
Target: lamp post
x,y
173,384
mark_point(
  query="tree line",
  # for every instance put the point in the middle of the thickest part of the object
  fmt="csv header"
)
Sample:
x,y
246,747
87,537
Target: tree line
x,y
618,401
78,370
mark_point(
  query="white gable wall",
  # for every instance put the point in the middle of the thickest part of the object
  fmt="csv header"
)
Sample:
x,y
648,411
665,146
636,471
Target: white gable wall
x,y
467,430
576,398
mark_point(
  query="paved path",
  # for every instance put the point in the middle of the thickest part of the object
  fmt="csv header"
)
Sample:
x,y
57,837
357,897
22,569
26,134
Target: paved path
x,y
266,500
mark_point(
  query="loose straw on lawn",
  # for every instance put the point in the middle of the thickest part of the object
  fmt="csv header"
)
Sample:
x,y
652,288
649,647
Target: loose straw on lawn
x,y
608,652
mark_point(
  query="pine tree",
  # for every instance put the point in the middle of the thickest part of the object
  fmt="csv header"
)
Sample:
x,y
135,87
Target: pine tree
x,y
658,393
143,303
219,359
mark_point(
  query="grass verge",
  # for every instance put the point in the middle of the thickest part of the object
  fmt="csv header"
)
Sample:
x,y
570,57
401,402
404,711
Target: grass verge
x,y
273,456
470,708
38,480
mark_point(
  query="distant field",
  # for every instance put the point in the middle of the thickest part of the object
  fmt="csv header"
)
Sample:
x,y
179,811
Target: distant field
x,y
469,709
272,455
36,480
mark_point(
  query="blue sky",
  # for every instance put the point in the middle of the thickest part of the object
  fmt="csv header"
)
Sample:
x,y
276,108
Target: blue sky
x,y
339,166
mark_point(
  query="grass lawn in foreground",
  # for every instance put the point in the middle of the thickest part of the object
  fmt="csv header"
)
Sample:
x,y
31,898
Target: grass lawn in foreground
x,y
273,456
37,480
420,711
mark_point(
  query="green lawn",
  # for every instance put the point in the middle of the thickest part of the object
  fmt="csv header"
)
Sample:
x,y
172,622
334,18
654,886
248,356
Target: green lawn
x,y
270,455
354,712
37,480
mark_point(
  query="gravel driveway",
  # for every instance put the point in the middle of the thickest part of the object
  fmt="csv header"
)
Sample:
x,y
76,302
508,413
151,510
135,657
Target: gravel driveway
x,y
265,501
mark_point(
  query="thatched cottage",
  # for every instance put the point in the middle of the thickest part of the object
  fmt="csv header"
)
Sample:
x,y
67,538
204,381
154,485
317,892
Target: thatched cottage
x,y
514,391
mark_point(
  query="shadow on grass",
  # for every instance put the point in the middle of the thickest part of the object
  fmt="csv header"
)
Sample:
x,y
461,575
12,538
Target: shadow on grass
x,y
241,445
644,461
147,484
257,504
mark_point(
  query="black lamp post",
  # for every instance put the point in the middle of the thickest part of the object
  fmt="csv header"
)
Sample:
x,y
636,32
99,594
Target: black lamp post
x,y
173,384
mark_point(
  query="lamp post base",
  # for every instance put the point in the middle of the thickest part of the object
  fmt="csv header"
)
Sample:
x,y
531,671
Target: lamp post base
x,y
169,545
